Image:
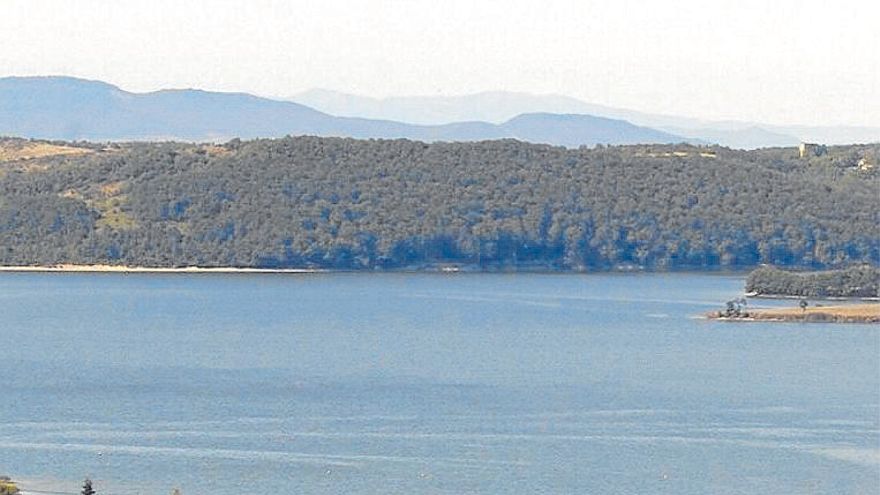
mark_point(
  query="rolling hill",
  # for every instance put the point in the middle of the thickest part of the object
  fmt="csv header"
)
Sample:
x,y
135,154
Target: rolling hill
x,y
309,202
75,109
500,106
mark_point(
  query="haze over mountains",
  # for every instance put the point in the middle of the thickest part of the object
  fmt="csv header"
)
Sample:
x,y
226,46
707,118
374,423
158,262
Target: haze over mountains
x,y
75,109
499,106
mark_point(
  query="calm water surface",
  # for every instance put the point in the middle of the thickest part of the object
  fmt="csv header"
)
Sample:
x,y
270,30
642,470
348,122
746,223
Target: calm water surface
x,y
426,384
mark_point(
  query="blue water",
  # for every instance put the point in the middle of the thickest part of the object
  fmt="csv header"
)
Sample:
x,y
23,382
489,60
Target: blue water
x,y
426,384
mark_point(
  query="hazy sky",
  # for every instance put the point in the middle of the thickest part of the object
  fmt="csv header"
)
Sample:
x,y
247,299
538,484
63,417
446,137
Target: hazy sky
x,y
810,62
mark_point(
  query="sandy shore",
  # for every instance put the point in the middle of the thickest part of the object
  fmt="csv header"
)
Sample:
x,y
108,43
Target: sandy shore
x,y
148,269
849,313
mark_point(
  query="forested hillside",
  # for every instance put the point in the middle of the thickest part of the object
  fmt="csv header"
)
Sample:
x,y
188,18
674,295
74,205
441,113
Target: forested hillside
x,y
355,204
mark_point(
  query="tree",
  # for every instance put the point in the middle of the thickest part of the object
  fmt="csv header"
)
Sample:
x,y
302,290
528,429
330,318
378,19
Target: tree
x,y
87,487
742,305
730,308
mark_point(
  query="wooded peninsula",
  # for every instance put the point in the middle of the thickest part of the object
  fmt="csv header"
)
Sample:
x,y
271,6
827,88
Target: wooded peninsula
x,y
854,282
333,203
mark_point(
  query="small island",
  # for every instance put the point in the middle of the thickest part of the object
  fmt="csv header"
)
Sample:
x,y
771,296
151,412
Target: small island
x,y
853,287
846,313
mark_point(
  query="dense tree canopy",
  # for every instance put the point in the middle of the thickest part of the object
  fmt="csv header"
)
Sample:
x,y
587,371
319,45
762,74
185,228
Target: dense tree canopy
x,y
367,204
856,281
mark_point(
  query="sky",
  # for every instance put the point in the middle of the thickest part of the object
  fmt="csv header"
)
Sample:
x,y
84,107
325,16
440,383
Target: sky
x,y
780,62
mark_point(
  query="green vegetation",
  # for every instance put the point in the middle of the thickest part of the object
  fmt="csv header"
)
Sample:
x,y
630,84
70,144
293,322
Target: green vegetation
x,y
7,486
857,281
379,204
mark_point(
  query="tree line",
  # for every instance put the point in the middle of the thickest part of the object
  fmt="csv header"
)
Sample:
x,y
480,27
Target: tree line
x,y
856,281
311,202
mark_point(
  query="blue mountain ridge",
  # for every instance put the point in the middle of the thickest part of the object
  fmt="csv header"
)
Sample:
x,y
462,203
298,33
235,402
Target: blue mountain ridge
x,y
67,108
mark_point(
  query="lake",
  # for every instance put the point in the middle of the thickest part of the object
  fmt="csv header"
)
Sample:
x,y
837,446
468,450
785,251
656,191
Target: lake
x,y
426,384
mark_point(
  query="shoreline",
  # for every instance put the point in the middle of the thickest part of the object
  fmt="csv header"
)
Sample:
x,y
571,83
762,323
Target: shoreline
x,y
851,313
440,268
783,297
65,268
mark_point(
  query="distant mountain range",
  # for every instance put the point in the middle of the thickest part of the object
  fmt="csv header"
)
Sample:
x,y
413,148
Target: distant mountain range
x,y
498,106
76,109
